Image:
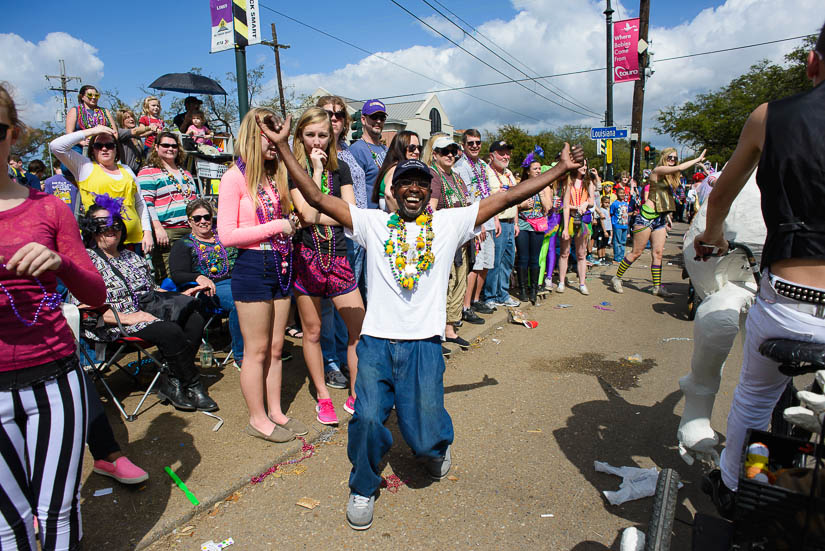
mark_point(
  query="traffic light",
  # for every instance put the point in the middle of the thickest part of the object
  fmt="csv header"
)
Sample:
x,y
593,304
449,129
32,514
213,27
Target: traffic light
x,y
357,127
647,154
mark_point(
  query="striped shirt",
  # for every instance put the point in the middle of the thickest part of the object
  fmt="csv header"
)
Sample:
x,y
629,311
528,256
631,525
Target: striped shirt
x,y
167,195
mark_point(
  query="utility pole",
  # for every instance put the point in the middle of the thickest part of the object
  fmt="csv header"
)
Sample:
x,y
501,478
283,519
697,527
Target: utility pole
x,y
64,89
608,116
275,46
639,93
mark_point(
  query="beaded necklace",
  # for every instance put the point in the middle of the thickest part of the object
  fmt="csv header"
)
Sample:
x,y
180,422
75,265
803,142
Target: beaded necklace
x,y
450,191
50,301
212,258
503,186
187,189
577,196
482,188
407,271
89,118
374,154
266,211
328,235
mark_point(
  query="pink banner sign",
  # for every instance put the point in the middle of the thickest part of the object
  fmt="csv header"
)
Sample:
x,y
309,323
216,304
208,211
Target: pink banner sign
x,y
626,50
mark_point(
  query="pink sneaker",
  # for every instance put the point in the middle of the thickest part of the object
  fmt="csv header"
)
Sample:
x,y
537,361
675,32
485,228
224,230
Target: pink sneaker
x,y
326,412
122,470
349,405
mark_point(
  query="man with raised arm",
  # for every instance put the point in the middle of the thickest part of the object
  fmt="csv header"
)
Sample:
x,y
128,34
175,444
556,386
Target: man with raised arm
x,y
785,138
409,255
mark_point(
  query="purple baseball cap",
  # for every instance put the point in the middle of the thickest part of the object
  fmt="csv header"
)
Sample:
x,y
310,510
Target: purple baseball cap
x,y
373,106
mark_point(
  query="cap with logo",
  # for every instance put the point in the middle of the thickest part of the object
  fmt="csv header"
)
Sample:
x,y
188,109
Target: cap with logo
x,y
411,167
500,145
373,106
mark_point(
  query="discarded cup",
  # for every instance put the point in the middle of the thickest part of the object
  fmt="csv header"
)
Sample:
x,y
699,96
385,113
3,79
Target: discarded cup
x,y
635,358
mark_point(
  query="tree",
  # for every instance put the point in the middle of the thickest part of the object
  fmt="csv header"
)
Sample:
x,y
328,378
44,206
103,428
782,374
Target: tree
x,y
714,120
34,142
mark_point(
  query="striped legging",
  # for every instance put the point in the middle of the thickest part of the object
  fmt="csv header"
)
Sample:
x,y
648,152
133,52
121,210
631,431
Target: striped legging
x,y
42,436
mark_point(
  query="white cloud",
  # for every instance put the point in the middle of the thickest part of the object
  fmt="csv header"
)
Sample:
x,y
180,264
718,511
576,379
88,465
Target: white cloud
x,y
24,64
557,36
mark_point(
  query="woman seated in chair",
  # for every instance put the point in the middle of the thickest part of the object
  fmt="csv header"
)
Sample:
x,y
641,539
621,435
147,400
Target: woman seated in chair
x,y
128,285
201,258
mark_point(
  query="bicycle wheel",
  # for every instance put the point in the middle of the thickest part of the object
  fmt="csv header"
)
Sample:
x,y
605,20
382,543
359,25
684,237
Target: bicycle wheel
x,y
664,510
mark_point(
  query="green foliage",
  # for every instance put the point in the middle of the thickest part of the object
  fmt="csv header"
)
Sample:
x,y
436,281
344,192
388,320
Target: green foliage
x,y
714,120
34,142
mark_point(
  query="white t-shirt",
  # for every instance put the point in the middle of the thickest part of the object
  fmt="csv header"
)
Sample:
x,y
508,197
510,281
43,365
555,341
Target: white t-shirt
x,y
396,313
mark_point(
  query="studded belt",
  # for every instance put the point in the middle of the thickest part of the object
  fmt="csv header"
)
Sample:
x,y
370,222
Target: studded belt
x,y
798,292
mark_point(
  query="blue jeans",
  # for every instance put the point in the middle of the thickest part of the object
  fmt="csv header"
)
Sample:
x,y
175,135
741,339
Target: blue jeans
x,y
334,337
409,374
223,290
619,241
357,256
497,285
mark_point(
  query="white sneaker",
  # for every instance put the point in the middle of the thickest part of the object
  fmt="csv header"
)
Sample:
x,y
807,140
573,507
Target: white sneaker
x,y
583,289
659,291
548,284
511,302
560,287
617,284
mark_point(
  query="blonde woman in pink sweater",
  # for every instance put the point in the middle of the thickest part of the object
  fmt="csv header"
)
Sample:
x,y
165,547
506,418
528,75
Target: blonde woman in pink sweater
x,y
254,216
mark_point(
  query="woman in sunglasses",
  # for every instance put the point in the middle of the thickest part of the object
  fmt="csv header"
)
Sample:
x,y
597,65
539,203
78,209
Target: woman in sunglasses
x,y
200,257
101,172
655,216
167,189
86,115
404,145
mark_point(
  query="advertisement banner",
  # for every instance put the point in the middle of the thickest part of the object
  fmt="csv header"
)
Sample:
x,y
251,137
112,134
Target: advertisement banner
x,y
223,32
253,22
626,50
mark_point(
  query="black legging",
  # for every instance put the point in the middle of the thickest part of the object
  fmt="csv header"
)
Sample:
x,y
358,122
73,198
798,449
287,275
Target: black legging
x,y
528,245
99,436
179,345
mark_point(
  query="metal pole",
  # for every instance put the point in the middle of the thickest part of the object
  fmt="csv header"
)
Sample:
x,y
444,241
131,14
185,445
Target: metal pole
x,y
243,87
277,48
608,13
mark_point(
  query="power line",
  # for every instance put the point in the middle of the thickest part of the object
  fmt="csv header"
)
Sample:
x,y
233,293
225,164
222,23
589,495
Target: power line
x,y
359,48
511,56
520,83
563,98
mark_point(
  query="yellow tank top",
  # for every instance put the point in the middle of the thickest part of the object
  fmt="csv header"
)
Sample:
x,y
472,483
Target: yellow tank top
x,y
99,182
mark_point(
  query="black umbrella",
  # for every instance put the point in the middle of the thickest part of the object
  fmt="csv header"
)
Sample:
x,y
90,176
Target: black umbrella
x,y
188,83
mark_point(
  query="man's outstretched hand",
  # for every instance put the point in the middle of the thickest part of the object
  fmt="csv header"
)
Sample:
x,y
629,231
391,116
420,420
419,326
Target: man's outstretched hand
x,y
275,129
571,158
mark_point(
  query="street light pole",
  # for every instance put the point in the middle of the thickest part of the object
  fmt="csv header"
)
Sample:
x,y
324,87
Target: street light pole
x,y
608,116
243,87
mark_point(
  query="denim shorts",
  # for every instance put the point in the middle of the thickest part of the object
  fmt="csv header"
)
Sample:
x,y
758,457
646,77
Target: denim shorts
x,y
257,276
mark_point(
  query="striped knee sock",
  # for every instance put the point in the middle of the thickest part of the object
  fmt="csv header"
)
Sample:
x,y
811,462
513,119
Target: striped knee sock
x,y
656,273
623,266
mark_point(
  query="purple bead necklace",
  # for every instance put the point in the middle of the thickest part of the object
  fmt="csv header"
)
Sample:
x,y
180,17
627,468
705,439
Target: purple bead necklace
x,y
49,300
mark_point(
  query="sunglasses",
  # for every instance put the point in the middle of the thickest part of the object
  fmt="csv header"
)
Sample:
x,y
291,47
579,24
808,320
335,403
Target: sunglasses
x,y
198,217
377,117
168,145
103,145
672,158
336,114
102,225
476,143
4,129
92,96
451,150
413,148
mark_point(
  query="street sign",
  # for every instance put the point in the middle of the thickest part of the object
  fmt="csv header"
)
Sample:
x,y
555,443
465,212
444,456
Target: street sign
x,y
609,132
608,151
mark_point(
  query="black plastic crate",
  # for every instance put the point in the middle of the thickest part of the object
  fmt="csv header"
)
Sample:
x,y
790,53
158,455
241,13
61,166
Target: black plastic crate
x,y
768,512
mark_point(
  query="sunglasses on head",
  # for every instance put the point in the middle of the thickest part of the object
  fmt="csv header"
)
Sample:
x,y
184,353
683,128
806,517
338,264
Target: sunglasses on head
x,y
336,114
168,145
198,217
474,143
4,129
413,148
450,150
103,145
377,116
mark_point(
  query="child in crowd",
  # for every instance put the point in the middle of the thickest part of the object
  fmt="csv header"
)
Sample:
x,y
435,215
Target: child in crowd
x,y
151,115
196,127
619,220
606,233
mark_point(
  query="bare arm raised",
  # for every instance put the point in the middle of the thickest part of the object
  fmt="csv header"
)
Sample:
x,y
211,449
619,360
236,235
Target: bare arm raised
x,y
277,132
571,159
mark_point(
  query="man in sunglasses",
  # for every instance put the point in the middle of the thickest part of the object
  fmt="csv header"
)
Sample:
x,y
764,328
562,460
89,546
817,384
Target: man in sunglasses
x,y
473,170
369,151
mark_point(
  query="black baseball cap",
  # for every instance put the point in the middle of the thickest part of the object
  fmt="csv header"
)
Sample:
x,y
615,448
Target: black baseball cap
x,y
500,145
410,167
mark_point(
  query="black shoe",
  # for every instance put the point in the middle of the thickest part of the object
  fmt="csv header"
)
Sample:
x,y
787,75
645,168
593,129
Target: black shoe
x,y
459,341
172,390
723,497
471,317
445,351
201,399
457,324
482,308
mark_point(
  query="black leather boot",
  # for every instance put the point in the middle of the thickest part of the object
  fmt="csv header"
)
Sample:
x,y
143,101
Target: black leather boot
x,y
197,393
172,390
521,276
534,284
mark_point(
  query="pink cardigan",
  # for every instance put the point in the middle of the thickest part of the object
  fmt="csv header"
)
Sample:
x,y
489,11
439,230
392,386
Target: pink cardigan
x,y
47,220
237,220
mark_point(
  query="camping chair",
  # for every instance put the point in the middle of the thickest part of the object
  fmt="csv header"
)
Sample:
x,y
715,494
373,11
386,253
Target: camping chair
x,y
113,352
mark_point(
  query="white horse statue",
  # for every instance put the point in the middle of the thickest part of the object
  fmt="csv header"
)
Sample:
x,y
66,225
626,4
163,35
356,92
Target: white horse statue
x,y
727,289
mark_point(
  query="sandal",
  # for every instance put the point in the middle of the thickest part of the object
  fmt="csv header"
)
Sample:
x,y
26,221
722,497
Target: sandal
x,y
294,332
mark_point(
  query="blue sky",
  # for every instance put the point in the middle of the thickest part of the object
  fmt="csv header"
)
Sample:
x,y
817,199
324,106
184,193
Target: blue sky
x,y
136,42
